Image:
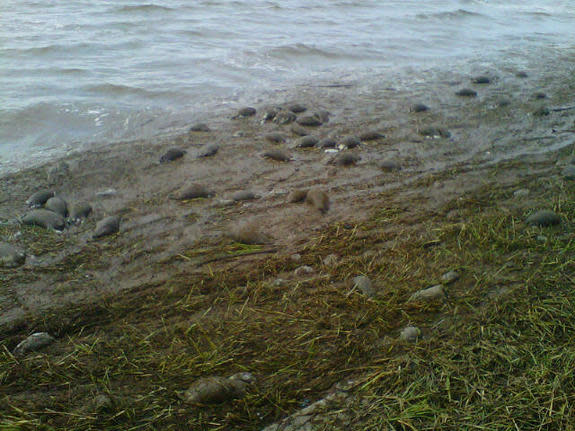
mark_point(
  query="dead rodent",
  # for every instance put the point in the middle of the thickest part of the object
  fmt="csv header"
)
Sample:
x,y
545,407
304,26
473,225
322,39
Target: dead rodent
x,y
318,199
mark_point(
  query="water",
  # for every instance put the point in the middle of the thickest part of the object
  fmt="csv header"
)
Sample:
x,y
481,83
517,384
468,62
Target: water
x,y
81,71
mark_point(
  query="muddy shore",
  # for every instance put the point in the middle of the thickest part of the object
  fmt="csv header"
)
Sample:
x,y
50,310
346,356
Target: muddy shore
x,y
177,255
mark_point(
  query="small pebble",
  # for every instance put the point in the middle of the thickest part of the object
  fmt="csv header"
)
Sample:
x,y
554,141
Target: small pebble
x,y
430,294
299,130
330,260
364,285
217,390
192,191
450,277
34,342
540,95
318,199
410,334
543,218
296,257
521,75
106,193
248,233
303,270
284,117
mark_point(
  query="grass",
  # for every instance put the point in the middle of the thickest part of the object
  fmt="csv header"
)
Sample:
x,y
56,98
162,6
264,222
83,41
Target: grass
x,y
497,355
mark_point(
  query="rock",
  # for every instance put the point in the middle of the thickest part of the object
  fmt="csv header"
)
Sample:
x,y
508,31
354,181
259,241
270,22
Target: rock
x,y
296,257
330,260
216,390
34,342
299,130
364,285
481,80
543,218
297,108
521,75
327,143
435,132
192,191
541,112
389,166
450,277
280,282
270,114
10,256
106,193
208,150
466,92
108,226
284,117
323,116
296,196
277,155
318,199
303,270
310,120
172,154
38,199
540,95
521,193
346,159
248,233
419,107
200,127
351,142
80,210
248,111
244,195
275,138
58,173
430,294
44,218
502,103
568,172
306,142
410,334
371,135
57,205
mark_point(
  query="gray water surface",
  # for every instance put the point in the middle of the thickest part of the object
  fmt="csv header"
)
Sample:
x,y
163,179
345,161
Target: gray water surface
x,y
81,71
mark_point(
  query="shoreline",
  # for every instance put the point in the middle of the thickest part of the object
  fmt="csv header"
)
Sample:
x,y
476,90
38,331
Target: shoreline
x,y
177,256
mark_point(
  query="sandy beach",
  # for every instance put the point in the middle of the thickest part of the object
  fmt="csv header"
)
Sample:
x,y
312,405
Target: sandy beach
x,y
140,315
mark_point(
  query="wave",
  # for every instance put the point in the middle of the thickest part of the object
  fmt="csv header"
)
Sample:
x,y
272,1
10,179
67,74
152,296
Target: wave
x,y
300,50
450,15
149,7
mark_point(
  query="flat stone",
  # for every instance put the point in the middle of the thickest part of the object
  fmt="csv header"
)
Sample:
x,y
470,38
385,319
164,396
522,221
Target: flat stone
x,y
277,155
44,218
11,256
108,226
311,120
192,191
304,270
80,210
543,218
430,294
568,172
244,195
208,150
200,127
217,390
346,159
371,135
364,285
275,138
450,277
57,205
39,198
306,142
34,342
172,154
466,92
481,80
297,108
410,334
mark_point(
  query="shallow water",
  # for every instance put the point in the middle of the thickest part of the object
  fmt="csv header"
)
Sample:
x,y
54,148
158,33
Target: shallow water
x,y
77,72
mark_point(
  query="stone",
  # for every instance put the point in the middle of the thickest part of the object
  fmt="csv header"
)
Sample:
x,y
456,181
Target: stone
x,y
244,195
310,120
296,196
44,218
11,256
521,74
433,293
419,107
248,111
284,117
364,285
277,155
297,108
543,218
346,159
435,132
450,277
172,154
542,112
108,226
330,260
327,143
371,135
108,193
34,342
208,150
410,334
57,205
389,166
466,92
200,127
351,142
270,114
568,172
296,257
248,233
540,95
38,199
217,390
192,191
303,270
318,199
481,80
298,130
275,138
306,142
521,193
79,211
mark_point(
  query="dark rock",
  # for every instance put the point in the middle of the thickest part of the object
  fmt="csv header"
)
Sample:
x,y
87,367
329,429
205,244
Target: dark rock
x,y
351,142
297,108
248,111
80,210
192,191
57,205
208,150
419,107
542,112
466,92
371,135
10,256
327,143
311,120
296,129
568,172
543,218
217,390
306,142
296,196
435,132
172,154
346,159
200,127
276,155
539,95
389,166
284,117
44,218
39,198
481,80
521,75
108,226
318,199
34,342
275,138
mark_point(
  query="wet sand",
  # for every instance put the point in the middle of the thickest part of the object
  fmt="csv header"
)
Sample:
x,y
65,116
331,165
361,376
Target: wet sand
x,y
162,240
